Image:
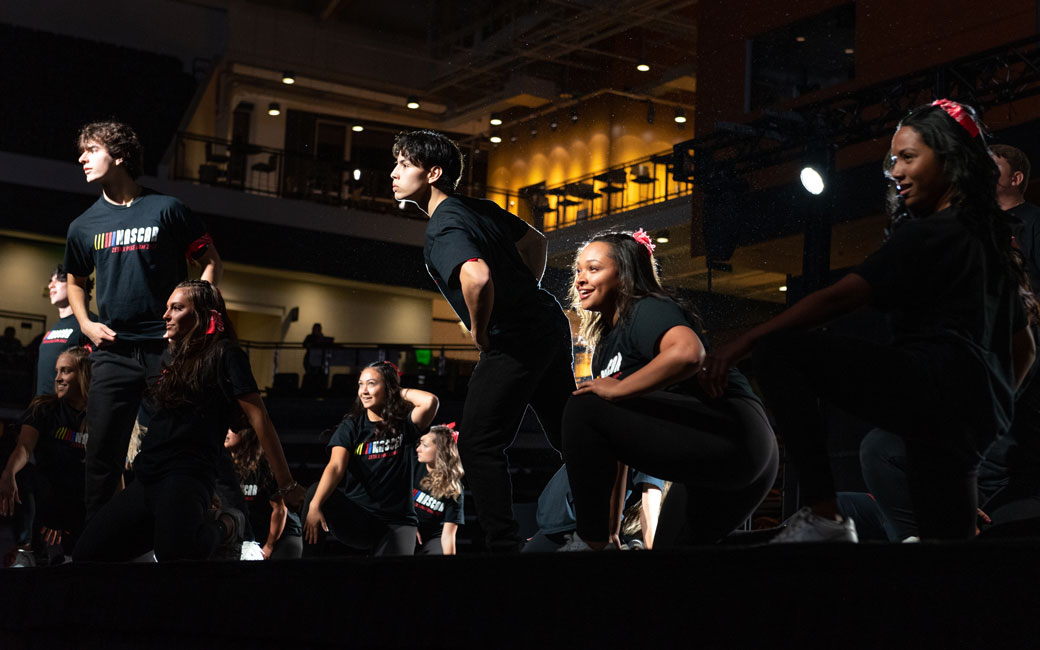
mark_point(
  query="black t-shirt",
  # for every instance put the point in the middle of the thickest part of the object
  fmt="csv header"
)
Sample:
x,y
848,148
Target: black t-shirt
x,y
1027,234
953,300
630,345
62,335
61,446
379,472
431,511
260,489
140,253
189,438
463,228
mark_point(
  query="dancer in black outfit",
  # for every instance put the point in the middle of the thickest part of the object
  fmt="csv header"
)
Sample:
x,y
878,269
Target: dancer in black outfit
x,y
488,264
437,491
645,408
206,385
63,333
372,449
961,349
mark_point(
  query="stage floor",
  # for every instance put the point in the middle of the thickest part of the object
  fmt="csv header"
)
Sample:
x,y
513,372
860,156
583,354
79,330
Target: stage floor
x,y
982,594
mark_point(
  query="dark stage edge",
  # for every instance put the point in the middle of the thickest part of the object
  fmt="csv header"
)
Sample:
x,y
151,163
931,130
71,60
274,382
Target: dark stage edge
x,y
982,594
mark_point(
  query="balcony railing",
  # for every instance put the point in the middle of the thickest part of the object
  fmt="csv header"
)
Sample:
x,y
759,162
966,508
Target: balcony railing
x,y
634,184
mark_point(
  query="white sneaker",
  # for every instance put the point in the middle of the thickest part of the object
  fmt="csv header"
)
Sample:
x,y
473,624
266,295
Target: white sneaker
x,y
23,559
251,551
804,526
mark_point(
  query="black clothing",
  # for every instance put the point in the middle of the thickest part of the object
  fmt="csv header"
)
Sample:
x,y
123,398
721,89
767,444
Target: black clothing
x,y
58,459
63,334
956,306
119,375
629,346
462,228
187,440
139,252
379,471
432,512
1027,234
529,360
260,488
359,527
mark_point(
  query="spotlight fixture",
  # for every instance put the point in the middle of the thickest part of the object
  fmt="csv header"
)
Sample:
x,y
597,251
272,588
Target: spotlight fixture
x,y
495,139
643,66
288,78
413,103
783,288
495,120
816,166
274,109
680,115
554,124
662,237
574,115
651,112
812,181
357,128
357,174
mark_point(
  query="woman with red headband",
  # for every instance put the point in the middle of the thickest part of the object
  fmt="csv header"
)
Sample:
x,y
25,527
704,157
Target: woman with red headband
x,y
373,510
961,346
206,384
437,490
645,408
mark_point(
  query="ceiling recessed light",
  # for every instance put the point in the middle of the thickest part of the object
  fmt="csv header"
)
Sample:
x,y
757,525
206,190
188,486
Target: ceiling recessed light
x,y
413,103
288,77
643,67
274,109
357,128
495,120
495,139
783,288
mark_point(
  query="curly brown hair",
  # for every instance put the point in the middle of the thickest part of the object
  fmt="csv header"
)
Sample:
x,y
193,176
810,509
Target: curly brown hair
x,y
119,139
445,479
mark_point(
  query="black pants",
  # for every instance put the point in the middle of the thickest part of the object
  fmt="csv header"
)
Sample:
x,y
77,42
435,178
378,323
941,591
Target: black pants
x,y
503,384
358,528
723,454
119,376
168,516
896,388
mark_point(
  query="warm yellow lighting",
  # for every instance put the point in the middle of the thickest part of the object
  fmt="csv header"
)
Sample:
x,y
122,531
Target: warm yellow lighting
x,y
495,139
413,103
783,288
274,109
496,121
642,67
357,128
288,78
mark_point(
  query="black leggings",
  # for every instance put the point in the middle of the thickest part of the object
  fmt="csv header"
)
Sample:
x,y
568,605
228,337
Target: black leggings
x,y
723,453
358,528
897,388
168,516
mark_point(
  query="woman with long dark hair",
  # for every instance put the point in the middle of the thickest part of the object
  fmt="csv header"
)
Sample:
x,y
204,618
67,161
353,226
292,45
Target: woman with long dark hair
x,y
53,431
645,408
206,385
437,491
371,448
962,346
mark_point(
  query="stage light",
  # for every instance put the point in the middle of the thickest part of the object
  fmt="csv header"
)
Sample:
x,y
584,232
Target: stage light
x,y
643,67
574,115
680,115
357,174
812,181
783,288
413,103
357,128
495,120
554,124
274,109
288,78
495,139
662,237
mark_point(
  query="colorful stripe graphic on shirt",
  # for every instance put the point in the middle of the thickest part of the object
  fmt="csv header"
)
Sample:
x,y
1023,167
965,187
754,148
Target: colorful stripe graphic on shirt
x,y
58,336
427,502
379,448
74,438
126,239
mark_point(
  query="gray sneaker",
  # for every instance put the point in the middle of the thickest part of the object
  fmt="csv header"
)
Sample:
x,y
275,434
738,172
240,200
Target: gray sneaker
x,y
22,559
804,526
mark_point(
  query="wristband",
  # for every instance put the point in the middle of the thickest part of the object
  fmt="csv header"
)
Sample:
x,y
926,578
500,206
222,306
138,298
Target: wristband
x,y
282,491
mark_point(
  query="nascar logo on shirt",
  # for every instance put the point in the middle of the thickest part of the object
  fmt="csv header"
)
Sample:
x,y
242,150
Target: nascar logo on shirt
x,y
127,239
612,367
58,336
74,438
379,448
427,502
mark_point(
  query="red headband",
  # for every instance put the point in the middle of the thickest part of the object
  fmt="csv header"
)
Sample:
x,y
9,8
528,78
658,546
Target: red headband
x,y
644,239
959,114
394,367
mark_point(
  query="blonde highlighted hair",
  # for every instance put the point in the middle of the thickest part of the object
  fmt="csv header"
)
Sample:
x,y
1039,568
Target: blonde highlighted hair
x,y
445,479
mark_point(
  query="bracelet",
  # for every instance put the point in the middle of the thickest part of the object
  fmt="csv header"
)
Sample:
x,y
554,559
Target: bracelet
x,y
282,491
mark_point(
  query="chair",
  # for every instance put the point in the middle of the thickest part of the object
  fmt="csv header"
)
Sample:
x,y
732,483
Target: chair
x,y
266,168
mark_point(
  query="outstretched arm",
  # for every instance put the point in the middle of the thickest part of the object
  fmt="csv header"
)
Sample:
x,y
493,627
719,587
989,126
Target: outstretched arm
x,y
27,439
330,478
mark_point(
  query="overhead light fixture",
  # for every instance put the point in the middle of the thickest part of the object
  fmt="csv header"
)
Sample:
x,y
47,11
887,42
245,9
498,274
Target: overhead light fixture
x,y
574,115
274,109
662,237
651,112
413,103
534,132
495,139
495,120
357,128
512,138
357,174
288,78
554,124
642,66
812,181
817,165
680,115
783,288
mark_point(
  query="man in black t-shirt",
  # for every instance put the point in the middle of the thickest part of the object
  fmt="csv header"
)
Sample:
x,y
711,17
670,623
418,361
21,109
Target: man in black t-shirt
x,y
488,264
1011,195
138,241
63,334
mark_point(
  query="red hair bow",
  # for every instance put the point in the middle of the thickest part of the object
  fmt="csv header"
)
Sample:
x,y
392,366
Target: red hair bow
x,y
216,322
959,114
643,238
454,433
